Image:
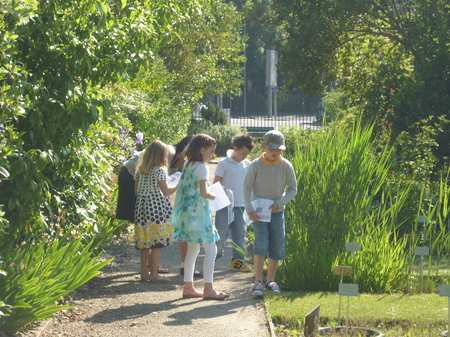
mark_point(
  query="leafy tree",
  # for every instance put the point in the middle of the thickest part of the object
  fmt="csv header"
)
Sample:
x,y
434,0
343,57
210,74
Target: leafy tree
x,y
207,56
63,54
71,74
396,52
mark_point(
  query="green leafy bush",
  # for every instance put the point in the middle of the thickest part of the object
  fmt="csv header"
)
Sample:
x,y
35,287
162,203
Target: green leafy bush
x,y
223,134
214,114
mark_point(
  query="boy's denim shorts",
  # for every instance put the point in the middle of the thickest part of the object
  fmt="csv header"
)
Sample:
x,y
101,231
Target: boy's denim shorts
x,y
269,237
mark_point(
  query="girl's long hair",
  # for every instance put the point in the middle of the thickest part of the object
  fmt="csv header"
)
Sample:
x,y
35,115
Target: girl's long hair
x,y
192,152
155,155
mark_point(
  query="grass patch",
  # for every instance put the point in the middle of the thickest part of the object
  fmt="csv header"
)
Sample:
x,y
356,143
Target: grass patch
x,y
394,315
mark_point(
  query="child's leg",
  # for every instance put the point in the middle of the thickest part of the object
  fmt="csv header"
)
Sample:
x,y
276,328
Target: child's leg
x,y
208,265
154,260
259,264
272,266
276,244
149,260
144,259
189,264
183,252
221,223
238,233
260,248
209,293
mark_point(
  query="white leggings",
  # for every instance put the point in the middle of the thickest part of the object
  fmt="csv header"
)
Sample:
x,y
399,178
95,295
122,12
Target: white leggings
x,y
208,262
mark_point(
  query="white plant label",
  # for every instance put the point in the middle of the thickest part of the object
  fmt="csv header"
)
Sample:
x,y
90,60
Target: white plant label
x,y
353,246
348,289
423,251
444,290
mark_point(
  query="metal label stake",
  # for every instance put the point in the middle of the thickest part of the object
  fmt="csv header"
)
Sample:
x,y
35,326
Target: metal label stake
x,y
348,289
444,290
421,251
341,271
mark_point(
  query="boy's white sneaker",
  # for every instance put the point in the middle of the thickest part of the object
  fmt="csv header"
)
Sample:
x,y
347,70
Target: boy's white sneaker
x,y
258,289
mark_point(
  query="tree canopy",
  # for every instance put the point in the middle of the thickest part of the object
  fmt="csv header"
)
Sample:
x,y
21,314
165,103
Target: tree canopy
x,y
390,58
77,80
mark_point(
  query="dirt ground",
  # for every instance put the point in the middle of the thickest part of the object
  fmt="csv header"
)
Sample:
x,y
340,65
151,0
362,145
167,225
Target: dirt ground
x,y
117,303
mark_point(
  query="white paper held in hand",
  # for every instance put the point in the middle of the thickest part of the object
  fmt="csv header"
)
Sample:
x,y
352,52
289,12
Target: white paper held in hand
x,y
173,179
261,207
221,199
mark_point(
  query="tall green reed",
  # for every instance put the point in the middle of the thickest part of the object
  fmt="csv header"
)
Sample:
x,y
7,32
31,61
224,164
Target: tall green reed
x,y
343,196
339,173
434,229
382,264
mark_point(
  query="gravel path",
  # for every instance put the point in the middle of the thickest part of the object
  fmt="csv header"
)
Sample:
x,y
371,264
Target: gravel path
x,y
117,303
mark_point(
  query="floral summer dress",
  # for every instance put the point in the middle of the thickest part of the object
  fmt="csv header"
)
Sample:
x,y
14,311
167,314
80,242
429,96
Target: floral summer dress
x,y
153,211
192,217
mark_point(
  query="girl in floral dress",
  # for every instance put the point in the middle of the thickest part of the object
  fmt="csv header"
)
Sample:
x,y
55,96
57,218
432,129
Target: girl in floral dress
x,y
153,210
192,219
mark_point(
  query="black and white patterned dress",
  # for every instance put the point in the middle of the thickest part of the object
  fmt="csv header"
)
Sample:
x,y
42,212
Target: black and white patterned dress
x,y
153,211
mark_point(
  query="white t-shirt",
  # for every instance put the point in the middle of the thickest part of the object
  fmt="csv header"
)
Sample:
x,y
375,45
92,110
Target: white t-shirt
x,y
201,170
233,175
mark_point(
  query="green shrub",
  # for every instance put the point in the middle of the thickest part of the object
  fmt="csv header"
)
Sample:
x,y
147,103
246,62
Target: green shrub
x,y
223,134
214,114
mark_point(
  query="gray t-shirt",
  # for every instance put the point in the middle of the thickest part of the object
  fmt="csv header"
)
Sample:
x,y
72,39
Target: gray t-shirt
x,y
274,182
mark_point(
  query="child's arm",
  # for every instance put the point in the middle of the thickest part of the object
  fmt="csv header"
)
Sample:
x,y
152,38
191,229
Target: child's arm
x,y
135,188
203,184
165,189
219,173
247,192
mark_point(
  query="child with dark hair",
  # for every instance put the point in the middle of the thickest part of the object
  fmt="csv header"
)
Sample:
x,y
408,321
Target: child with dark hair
x,y
230,172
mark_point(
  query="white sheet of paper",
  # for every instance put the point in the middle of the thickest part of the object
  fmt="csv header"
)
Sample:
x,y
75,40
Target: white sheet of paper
x,y
174,179
221,199
230,207
261,207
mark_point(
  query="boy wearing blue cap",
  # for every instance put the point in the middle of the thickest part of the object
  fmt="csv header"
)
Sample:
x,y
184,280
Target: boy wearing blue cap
x,y
271,178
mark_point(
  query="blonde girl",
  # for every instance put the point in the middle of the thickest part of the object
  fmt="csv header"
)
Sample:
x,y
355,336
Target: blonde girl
x,y
153,210
192,218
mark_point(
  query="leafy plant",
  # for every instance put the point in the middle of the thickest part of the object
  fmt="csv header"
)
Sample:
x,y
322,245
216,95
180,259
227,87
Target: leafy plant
x,y
39,275
223,134
214,114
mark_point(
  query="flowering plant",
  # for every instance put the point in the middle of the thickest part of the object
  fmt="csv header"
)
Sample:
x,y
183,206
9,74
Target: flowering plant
x,y
130,146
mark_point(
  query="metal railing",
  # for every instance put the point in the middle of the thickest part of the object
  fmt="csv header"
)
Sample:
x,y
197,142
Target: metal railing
x,y
292,108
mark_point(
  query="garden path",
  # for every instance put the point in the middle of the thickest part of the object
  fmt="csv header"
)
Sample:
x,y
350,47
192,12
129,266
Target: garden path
x,y
116,303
